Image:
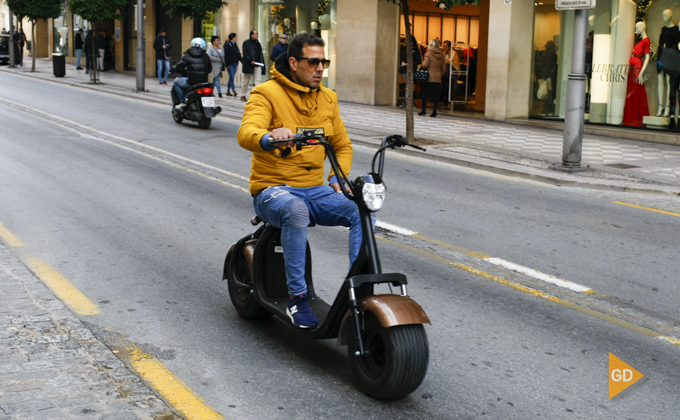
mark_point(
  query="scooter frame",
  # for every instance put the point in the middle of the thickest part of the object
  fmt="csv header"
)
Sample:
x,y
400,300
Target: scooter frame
x,y
264,276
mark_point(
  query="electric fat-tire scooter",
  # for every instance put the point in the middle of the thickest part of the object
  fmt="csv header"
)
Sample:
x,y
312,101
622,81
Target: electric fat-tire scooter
x,y
387,345
200,105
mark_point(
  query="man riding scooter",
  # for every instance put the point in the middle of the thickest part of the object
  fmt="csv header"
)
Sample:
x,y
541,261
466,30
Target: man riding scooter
x,y
196,65
287,184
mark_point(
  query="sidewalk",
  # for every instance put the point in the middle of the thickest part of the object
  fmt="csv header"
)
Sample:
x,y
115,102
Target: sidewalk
x,y
52,367
505,148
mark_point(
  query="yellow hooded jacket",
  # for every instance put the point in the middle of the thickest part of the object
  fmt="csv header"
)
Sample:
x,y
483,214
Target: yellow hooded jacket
x,y
280,102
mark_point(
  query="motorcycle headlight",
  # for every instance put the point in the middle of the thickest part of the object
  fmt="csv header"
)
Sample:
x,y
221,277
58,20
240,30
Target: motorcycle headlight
x,y
373,191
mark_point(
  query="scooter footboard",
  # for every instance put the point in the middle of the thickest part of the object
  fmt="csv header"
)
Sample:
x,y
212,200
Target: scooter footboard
x,y
391,310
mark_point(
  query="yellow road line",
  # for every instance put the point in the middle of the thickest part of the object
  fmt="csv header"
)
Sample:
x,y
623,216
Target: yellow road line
x,y
9,237
176,392
451,247
670,213
63,288
537,293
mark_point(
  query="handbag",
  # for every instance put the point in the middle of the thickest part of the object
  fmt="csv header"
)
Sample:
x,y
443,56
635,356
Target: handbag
x,y
224,66
542,93
421,75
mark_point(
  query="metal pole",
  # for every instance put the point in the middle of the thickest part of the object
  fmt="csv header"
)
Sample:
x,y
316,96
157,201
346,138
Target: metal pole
x,y
576,94
141,60
12,58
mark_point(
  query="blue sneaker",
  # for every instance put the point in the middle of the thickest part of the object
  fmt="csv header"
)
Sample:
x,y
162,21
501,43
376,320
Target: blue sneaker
x,y
300,313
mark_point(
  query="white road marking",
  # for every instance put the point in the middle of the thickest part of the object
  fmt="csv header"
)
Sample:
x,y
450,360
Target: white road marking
x,y
395,229
539,275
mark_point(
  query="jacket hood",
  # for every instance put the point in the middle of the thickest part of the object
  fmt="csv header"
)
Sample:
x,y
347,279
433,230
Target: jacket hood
x,y
195,51
280,72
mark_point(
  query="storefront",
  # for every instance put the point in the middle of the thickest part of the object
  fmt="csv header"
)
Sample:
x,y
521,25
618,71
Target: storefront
x,y
460,26
293,17
627,84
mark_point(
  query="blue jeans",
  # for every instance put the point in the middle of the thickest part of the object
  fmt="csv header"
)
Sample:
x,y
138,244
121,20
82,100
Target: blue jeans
x,y
79,55
231,69
290,208
216,83
162,63
181,85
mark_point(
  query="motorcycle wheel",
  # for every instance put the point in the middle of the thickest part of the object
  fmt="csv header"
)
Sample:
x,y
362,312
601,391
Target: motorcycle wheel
x,y
205,124
177,117
396,362
243,299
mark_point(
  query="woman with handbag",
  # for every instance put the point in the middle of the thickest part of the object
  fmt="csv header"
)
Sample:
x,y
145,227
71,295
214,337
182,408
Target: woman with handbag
x,y
232,56
435,63
217,58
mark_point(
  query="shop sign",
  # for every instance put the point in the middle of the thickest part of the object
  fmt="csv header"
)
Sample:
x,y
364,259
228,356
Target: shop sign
x,y
574,4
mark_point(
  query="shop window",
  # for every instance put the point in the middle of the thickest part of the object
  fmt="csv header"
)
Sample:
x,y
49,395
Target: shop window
x,y
60,31
615,56
293,17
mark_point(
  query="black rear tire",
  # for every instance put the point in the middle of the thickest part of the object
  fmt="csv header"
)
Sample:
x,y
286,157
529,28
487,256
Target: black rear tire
x,y
177,117
397,360
205,123
244,299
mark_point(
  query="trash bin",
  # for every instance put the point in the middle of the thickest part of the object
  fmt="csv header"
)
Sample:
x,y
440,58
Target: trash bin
x,y
59,65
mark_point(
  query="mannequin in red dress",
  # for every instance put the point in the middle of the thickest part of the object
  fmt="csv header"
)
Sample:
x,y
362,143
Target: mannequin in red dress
x,y
636,98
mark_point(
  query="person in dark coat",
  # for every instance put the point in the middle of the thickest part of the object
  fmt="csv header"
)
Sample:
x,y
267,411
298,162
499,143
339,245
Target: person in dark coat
x,y
232,56
79,44
162,45
280,48
196,65
90,54
101,47
253,62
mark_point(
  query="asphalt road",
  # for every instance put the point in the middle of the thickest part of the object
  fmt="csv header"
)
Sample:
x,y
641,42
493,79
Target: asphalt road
x,y
143,235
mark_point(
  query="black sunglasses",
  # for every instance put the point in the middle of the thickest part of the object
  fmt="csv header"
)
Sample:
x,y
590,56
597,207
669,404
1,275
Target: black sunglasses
x,y
315,61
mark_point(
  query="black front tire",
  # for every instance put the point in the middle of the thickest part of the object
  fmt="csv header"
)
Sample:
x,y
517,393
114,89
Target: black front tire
x,y
397,360
205,123
243,299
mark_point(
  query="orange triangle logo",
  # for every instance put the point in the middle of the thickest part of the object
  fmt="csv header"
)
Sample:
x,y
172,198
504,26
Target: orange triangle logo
x,y
621,375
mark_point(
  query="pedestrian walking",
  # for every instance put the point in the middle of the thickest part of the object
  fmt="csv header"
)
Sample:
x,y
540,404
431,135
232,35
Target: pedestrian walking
x,y
436,65
232,56
22,42
162,45
79,44
280,48
101,47
217,58
90,55
253,63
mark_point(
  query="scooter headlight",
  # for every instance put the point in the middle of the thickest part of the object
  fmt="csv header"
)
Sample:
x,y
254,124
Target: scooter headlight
x,y
373,191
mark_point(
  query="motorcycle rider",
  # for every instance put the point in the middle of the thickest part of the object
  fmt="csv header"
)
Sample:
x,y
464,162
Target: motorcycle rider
x,y
287,184
196,65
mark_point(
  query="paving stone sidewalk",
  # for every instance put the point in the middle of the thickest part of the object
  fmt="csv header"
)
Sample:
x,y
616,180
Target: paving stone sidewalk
x,y
52,367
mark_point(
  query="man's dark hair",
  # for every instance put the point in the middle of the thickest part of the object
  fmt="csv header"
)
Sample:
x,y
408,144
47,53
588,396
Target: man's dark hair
x,y
232,36
252,32
301,41
213,38
447,43
162,30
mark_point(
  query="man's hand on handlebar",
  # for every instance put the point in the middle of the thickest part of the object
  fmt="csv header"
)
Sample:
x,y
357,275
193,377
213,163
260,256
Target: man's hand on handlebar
x,y
282,134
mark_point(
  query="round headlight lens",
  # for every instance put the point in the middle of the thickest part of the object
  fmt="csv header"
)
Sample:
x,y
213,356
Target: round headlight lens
x,y
374,195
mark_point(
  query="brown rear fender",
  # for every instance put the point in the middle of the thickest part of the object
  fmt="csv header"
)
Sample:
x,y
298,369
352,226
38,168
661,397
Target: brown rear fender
x,y
391,310
247,250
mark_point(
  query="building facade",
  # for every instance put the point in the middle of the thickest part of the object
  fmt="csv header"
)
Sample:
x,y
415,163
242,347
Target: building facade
x,y
514,56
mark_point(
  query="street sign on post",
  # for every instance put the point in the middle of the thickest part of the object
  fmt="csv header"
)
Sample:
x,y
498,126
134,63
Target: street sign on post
x,y
574,4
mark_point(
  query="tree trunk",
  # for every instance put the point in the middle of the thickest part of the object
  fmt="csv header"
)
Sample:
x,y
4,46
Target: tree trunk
x,y
34,50
409,74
